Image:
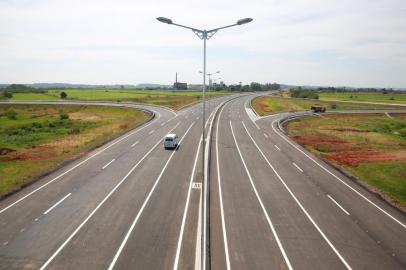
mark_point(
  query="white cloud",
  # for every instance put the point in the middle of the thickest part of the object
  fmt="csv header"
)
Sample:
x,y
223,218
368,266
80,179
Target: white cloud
x,y
330,42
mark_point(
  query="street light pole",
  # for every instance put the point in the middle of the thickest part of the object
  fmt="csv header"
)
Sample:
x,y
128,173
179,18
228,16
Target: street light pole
x,y
204,35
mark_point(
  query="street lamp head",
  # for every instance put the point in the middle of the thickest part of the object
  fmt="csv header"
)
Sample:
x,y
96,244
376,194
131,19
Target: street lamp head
x,y
244,21
164,20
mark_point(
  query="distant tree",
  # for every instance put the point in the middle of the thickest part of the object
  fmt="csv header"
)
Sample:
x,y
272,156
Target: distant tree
x,y
255,86
63,95
7,94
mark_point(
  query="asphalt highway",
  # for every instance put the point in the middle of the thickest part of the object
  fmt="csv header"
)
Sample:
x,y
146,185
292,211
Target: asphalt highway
x,y
276,206
131,204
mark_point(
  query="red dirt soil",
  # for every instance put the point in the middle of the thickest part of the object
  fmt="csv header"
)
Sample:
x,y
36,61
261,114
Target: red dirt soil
x,y
345,153
263,104
353,158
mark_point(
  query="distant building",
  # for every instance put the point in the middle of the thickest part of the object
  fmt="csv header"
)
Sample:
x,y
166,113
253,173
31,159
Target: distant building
x,y
178,85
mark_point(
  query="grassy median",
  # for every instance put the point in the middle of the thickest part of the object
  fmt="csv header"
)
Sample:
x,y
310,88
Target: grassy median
x,y
171,99
266,105
35,139
371,146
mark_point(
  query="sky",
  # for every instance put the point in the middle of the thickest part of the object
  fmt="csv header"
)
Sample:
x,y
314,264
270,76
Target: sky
x,y
360,43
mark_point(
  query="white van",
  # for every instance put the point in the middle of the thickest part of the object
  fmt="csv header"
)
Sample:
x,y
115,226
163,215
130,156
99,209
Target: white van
x,y
171,141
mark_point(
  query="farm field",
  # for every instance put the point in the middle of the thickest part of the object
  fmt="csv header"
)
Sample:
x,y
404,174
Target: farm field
x,y
370,146
365,97
172,99
266,105
37,138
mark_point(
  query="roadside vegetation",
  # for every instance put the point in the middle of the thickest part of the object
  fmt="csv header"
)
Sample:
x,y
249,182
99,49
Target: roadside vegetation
x,y
172,99
266,105
37,138
380,97
371,146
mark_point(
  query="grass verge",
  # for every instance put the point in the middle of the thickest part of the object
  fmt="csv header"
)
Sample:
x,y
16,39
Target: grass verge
x,y
393,98
371,146
35,139
171,99
266,105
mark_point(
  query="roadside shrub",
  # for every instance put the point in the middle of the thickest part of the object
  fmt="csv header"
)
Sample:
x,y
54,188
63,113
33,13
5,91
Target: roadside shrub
x,y
64,116
323,149
11,114
74,131
333,106
63,95
37,125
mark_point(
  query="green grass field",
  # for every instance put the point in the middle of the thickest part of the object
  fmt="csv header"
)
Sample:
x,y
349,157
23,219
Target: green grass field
x,y
371,146
269,105
365,97
172,99
37,138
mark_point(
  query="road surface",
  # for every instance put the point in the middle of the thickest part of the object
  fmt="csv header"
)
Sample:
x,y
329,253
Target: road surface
x,y
131,204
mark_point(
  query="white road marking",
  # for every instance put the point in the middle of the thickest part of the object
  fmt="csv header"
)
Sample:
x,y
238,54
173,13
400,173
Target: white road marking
x,y
285,257
105,166
339,179
299,203
197,185
182,227
198,252
342,208
134,144
197,118
163,124
22,230
56,204
74,167
127,236
223,223
5,243
100,204
294,164
277,147
265,135
388,115
36,219
152,131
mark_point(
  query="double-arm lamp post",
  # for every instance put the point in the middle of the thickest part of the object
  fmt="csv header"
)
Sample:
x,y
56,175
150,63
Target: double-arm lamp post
x,y
204,35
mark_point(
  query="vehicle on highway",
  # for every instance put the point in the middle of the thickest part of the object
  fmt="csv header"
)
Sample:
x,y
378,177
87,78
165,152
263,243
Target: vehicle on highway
x,y
318,108
171,141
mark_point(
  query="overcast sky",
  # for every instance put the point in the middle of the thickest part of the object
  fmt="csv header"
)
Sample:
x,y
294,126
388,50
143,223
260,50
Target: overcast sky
x,y
306,42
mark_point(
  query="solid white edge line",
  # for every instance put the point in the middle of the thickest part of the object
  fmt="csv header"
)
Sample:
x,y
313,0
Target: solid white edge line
x,y
299,203
198,252
105,166
342,208
339,179
266,136
152,131
99,205
294,164
223,223
277,147
56,204
182,227
127,236
74,167
275,234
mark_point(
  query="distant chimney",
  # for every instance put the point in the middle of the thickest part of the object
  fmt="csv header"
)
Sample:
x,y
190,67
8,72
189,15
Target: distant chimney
x,y
176,77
